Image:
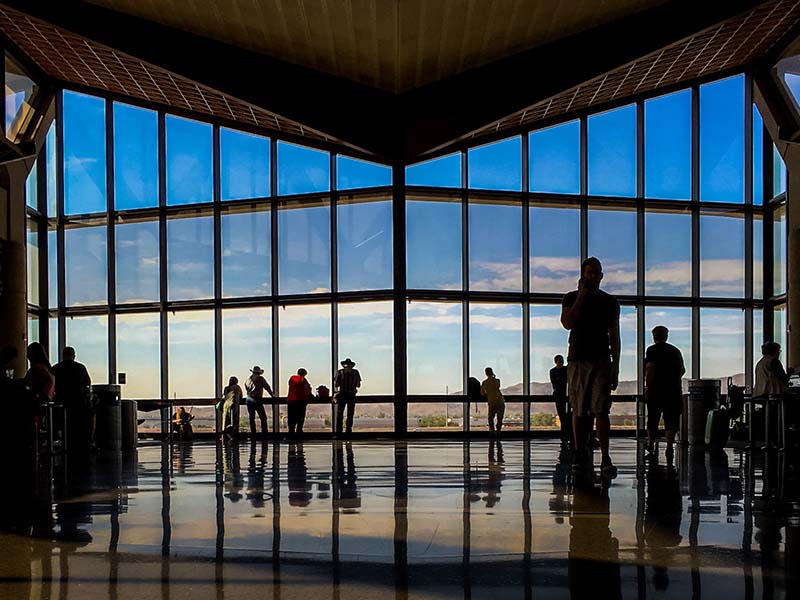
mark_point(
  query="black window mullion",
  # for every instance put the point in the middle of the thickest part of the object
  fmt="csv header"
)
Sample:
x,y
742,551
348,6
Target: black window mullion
x,y
273,221
465,426
526,287
400,308
334,235
163,289
217,191
111,244
695,178
61,265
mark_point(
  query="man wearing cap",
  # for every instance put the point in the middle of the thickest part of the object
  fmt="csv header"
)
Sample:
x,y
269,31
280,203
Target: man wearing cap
x,y
347,382
256,385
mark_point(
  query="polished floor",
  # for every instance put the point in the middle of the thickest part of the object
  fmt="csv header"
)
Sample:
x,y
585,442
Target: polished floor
x,y
421,519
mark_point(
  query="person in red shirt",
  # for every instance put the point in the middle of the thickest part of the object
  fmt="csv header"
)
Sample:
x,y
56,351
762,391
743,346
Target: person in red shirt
x,y
299,395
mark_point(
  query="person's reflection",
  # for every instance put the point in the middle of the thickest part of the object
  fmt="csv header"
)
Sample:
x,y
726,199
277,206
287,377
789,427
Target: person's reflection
x,y
594,570
297,476
256,466
662,518
232,472
345,493
562,478
182,457
496,469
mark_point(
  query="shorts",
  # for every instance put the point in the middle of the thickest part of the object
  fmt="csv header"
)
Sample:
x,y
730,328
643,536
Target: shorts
x,y
671,414
589,387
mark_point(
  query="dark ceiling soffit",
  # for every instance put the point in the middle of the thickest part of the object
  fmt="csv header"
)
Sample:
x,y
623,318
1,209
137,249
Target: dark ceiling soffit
x,y
395,128
342,109
446,110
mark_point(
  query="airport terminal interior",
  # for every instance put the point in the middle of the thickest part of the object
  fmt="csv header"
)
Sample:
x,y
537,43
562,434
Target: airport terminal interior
x,y
192,192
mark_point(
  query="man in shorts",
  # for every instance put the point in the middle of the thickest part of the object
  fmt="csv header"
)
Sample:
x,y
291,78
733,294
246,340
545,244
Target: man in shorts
x,y
592,317
663,390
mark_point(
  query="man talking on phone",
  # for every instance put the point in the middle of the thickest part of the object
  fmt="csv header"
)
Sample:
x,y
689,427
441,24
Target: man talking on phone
x,y
592,317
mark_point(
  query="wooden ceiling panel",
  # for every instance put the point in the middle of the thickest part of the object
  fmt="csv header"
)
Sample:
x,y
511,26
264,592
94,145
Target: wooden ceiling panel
x,y
394,45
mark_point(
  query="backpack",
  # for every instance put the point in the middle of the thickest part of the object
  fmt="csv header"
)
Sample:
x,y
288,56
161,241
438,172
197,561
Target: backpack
x,y
473,389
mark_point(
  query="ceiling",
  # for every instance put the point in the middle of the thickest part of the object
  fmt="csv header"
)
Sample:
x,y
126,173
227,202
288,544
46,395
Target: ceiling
x,y
467,71
394,45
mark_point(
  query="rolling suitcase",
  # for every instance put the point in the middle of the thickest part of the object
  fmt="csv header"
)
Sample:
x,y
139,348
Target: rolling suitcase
x,y
717,428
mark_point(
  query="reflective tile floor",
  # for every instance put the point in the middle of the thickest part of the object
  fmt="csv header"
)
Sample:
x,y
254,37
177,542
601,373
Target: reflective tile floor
x,y
417,519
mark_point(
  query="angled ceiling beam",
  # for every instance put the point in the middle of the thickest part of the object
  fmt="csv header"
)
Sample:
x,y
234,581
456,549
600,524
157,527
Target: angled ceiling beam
x,y
346,110
446,110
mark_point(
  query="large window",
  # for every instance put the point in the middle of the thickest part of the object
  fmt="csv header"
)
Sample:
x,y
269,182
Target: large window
x,y
668,253
612,152
779,238
302,170
495,246
364,243
433,243
244,165
305,341
555,248
137,261
722,140
554,159
548,339
434,348
304,251
190,174
679,322
721,255
246,252
84,154
612,239
138,354
496,166
190,256
86,260
722,345
668,146
439,172
365,336
89,336
246,342
496,341
135,157
191,354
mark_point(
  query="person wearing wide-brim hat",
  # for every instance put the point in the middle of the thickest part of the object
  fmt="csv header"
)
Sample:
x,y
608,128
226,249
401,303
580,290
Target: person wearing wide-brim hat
x,y
256,385
347,382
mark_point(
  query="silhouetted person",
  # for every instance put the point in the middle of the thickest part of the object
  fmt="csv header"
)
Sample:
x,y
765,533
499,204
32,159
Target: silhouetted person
x,y
182,424
558,379
494,483
663,390
297,476
771,379
256,385
297,401
347,382
662,519
73,392
593,569
592,316
40,377
256,469
490,389
232,399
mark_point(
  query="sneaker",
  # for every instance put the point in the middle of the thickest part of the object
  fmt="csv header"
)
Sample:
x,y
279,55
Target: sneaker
x,y
608,468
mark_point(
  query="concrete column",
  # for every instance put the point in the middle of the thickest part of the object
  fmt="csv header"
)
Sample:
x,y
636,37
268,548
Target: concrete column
x,y
13,280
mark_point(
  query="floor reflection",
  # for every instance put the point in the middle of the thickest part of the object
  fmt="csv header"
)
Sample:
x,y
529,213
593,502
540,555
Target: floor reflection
x,y
417,519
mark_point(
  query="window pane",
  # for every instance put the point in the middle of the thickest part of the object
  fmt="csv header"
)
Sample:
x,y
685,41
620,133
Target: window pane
x,y
721,256
86,265
246,341
778,173
779,250
439,172
555,159
190,257
89,337
679,323
612,152
548,338
555,240
53,346
33,329
137,262
779,324
304,252
628,358
189,158
84,154
434,348
758,157
758,256
612,239
366,336
135,157
722,140
495,332
244,165
31,198
139,354
305,341
246,252
668,254
352,173
364,244
191,354
496,166
668,146
758,336
495,247
21,92
722,345
433,244
302,170
52,269
52,166
32,247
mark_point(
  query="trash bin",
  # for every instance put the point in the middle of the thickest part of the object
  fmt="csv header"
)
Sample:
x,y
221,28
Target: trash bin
x,y
130,424
108,434
703,396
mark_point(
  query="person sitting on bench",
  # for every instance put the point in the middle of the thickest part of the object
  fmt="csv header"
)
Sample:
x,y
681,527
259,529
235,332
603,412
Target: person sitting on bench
x,y
771,379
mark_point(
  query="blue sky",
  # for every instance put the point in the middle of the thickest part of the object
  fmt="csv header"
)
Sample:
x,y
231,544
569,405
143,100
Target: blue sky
x,y
365,247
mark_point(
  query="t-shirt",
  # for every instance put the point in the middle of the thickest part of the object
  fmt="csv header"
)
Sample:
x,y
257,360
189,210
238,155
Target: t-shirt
x,y
299,389
558,378
666,362
589,338
72,379
256,385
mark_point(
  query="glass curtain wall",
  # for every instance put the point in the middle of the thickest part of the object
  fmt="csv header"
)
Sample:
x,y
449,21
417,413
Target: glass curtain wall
x,y
211,250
